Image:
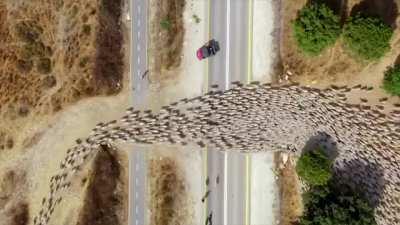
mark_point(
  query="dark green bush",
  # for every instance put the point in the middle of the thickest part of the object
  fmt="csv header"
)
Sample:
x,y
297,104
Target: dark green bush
x,y
328,205
367,37
314,167
391,80
316,28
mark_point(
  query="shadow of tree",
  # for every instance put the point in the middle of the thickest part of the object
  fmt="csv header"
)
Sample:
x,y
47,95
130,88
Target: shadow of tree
x,y
397,61
362,176
323,141
385,9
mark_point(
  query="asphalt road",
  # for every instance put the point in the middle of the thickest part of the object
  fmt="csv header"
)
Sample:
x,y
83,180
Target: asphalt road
x,y
137,158
230,24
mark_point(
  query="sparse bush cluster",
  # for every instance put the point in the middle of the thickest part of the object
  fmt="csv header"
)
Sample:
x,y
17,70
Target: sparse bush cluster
x,y
326,202
391,81
317,27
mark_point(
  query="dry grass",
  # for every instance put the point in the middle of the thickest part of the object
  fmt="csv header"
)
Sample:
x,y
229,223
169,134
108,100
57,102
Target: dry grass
x,y
166,42
168,194
53,53
290,194
335,65
104,199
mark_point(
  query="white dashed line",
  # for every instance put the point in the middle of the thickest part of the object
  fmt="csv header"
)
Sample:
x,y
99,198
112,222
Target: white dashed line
x,y
138,60
138,34
138,48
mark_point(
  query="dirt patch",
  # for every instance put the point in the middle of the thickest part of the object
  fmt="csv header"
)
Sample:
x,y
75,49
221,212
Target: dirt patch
x,y
54,53
335,65
12,198
166,36
104,201
11,184
19,214
290,194
168,194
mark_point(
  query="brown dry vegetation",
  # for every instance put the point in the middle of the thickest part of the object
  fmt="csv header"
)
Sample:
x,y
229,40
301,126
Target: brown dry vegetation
x,y
290,195
53,53
335,65
168,194
105,198
166,43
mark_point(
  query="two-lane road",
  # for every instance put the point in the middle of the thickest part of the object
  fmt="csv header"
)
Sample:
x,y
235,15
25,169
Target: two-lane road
x,y
231,25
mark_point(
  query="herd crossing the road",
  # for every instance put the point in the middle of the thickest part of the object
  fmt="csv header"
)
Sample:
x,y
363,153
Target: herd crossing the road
x,y
263,117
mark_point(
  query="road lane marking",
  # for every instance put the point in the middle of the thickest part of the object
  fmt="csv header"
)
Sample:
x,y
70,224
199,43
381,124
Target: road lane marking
x,y
249,78
250,43
247,191
138,34
228,13
228,7
225,188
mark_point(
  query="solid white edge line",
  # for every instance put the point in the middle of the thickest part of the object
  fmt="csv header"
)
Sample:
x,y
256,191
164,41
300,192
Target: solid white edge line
x,y
228,6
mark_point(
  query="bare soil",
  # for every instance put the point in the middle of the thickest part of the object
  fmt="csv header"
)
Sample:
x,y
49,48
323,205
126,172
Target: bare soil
x,y
14,209
105,198
166,41
54,53
290,194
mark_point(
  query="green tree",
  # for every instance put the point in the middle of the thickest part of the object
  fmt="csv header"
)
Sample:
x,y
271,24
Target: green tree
x,y
328,205
316,28
314,167
391,80
367,37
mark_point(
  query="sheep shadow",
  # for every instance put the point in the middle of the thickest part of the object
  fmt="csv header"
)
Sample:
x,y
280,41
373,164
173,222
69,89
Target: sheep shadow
x,y
384,9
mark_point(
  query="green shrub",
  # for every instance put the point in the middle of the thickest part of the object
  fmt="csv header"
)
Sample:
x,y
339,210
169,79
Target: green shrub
x,y
196,18
367,37
166,24
328,205
314,167
391,80
316,28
